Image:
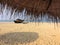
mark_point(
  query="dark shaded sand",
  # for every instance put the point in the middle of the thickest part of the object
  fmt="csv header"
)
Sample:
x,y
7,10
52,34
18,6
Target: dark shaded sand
x,y
18,37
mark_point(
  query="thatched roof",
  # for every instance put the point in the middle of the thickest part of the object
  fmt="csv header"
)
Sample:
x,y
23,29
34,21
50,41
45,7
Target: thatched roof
x,y
36,7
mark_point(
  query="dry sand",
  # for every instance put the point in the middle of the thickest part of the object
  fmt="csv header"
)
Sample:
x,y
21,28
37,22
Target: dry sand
x,y
29,34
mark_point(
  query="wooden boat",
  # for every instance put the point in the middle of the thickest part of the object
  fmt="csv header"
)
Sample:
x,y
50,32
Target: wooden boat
x,y
18,21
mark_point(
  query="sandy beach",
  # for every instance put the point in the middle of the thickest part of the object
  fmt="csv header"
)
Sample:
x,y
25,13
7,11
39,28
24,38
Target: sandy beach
x,y
29,34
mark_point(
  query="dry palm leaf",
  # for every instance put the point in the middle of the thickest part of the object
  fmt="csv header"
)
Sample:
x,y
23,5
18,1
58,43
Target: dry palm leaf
x,y
36,7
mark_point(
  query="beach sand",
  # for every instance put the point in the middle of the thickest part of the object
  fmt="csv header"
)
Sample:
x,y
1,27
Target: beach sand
x,y
29,34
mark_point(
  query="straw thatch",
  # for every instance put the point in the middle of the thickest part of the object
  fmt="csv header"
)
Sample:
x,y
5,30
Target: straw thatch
x,y
36,7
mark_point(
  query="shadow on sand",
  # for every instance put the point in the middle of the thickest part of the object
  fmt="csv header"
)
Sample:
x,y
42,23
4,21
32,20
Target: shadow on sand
x,y
19,37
